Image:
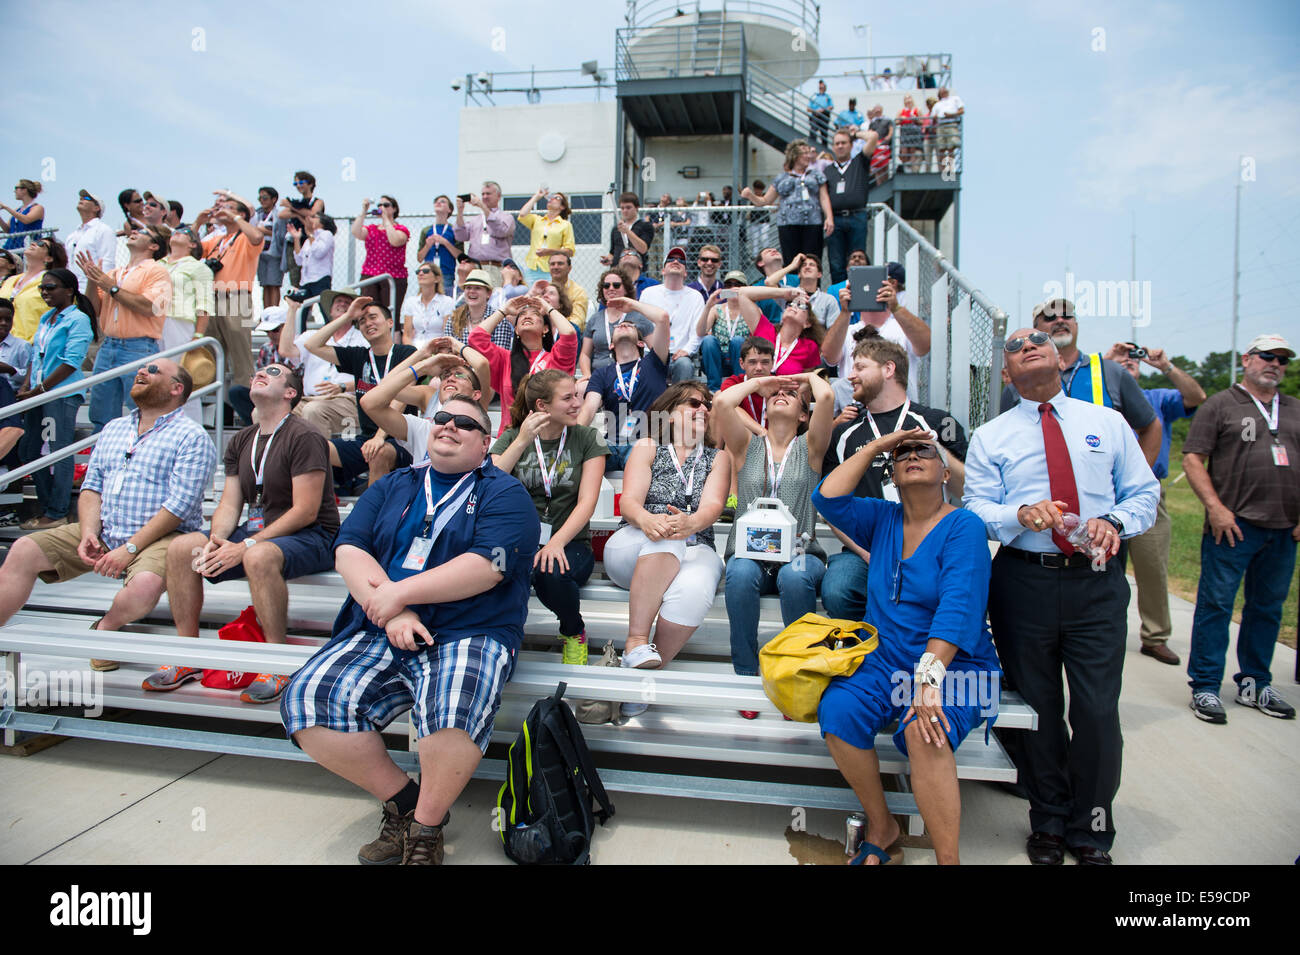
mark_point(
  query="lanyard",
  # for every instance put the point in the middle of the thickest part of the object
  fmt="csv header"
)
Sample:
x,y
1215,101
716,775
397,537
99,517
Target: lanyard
x,y
374,369
844,438
625,387
732,323
898,425
775,473
548,476
688,485
781,356
140,439
433,527
1269,419
260,469
538,361
844,167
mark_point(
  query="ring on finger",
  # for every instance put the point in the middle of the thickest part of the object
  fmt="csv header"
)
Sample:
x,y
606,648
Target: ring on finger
x,y
934,719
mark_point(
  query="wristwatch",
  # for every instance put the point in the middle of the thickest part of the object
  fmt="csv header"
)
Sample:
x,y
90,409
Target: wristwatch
x,y
131,548
249,542
1114,522
114,290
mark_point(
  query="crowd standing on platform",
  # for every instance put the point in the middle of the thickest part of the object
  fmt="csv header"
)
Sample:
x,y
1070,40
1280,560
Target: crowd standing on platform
x,y
711,395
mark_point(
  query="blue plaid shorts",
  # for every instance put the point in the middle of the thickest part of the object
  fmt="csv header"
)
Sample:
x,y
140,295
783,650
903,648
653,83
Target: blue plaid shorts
x,y
361,683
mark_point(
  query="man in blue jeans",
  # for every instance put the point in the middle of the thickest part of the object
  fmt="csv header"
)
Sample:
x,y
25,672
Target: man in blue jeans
x,y
847,181
133,302
1242,458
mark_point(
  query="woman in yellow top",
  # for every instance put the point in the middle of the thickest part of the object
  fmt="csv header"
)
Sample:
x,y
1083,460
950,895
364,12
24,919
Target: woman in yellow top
x,y
24,288
552,232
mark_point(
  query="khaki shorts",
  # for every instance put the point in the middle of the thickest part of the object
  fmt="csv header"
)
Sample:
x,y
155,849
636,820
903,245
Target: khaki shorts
x,y
59,545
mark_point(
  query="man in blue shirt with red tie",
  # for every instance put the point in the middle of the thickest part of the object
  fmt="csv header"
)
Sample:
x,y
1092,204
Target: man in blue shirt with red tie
x,y
1052,606
438,563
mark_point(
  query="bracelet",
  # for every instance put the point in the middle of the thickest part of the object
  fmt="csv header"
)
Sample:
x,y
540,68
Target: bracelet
x,y
416,374
930,670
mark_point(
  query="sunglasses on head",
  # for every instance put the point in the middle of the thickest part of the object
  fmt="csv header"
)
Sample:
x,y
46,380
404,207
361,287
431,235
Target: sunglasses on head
x,y
1014,345
462,422
698,403
923,451
1282,360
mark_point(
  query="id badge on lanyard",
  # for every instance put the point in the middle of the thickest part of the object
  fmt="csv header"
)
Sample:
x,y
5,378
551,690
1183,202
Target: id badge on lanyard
x,y
256,515
435,519
548,480
687,484
888,489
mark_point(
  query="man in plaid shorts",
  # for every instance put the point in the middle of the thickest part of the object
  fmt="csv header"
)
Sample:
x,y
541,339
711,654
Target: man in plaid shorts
x,y
437,561
145,483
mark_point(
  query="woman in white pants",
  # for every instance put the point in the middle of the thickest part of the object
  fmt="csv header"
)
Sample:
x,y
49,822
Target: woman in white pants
x,y
674,488
192,300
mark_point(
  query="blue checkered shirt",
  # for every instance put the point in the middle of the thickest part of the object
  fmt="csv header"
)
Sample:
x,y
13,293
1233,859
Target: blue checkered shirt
x,y
171,467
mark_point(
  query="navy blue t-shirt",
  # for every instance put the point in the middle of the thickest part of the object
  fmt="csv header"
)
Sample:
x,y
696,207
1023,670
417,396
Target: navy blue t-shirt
x,y
497,521
651,382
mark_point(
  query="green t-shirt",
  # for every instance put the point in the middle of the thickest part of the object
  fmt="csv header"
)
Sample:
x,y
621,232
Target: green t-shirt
x,y
581,444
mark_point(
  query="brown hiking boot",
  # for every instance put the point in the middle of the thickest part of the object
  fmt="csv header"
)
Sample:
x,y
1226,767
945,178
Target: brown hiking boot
x,y
423,844
387,848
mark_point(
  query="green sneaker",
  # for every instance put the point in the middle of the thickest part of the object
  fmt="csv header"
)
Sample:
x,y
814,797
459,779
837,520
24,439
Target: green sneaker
x,y
575,649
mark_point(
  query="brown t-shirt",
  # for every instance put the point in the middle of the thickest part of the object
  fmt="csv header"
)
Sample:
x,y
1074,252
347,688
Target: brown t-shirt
x,y
298,448
1230,430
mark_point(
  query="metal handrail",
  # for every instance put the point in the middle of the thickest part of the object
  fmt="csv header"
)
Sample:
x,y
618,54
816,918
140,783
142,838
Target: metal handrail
x,y
76,387
26,236
307,303
804,14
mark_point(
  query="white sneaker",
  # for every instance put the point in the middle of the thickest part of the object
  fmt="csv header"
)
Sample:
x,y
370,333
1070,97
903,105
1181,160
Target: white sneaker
x,y
644,657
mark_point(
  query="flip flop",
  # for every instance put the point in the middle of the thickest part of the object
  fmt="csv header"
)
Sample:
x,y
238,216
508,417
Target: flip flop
x,y
871,849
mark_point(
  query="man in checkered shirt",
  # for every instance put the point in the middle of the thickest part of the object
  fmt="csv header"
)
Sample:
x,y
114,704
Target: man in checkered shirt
x,y
144,484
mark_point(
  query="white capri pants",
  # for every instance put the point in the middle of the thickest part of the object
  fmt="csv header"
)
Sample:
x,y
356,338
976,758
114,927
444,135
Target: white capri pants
x,y
691,593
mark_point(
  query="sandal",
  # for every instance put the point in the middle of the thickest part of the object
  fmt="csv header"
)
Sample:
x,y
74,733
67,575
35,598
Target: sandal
x,y
885,855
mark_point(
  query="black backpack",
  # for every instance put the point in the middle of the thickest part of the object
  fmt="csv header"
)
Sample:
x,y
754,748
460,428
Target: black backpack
x,y
544,807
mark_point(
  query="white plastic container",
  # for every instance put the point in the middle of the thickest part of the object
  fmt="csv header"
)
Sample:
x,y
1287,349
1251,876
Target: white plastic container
x,y
766,531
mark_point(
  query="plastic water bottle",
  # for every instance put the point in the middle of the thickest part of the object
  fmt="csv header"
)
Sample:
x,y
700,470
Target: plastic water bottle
x,y
1076,532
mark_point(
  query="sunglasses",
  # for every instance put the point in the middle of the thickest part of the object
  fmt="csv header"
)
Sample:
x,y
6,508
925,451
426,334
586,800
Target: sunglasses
x,y
698,403
301,182
1282,360
709,258
611,285
926,452
799,306
271,371
156,370
462,422
49,288
384,205
1013,345
424,271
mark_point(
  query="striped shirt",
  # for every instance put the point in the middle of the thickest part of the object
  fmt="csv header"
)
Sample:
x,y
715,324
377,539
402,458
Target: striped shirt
x,y
169,466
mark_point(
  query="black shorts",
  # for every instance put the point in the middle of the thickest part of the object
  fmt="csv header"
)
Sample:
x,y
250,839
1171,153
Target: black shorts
x,y
353,465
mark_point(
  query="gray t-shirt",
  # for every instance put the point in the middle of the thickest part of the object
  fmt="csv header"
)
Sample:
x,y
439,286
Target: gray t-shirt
x,y
794,490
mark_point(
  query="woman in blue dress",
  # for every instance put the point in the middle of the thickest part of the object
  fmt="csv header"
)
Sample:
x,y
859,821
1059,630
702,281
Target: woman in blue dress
x,y
935,669
29,216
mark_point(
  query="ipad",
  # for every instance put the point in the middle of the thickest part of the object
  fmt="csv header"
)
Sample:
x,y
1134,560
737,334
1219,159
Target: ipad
x,y
864,283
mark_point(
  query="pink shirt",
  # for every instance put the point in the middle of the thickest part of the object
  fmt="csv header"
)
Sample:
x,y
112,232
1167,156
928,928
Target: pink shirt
x,y
804,357
563,356
382,257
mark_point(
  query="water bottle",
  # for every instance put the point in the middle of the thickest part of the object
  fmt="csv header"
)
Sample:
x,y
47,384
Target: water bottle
x,y
1076,532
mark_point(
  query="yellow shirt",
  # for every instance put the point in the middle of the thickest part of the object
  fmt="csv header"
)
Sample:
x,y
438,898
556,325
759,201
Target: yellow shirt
x,y
28,305
548,233
578,299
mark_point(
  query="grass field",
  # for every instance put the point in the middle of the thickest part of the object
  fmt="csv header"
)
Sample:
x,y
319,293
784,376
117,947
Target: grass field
x,y
1187,517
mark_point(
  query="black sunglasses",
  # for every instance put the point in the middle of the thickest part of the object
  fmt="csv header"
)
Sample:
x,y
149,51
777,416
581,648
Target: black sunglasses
x,y
698,403
1282,360
424,271
923,451
463,422
1014,345
709,258
611,284
157,370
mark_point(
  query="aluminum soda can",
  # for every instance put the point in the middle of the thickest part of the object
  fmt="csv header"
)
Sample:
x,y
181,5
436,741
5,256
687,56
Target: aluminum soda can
x,y
855,828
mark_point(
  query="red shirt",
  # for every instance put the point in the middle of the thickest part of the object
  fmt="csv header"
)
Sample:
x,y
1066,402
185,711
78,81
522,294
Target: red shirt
x,y
753,404
563,356
804,357
382,257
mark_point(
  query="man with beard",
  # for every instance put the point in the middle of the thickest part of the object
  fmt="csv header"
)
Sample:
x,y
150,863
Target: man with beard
x,y
1092,378
881,406
144,484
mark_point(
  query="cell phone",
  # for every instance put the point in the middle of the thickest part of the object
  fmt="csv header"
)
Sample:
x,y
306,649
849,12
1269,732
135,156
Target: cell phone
x,y
727,294
864,283
465,196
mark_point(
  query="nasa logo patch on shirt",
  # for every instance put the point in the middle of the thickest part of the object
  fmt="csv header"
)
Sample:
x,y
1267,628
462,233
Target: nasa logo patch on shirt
x,y
1093,441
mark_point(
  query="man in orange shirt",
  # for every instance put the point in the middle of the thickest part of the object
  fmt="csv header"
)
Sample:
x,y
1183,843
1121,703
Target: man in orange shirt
x,y
133,302
232,256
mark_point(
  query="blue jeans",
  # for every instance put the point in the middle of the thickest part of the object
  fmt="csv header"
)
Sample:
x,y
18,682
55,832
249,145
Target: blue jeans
x,y
844,589
107,397
53,490
1266,557
747,580
616,460
714,364
680,369
558,590
850,233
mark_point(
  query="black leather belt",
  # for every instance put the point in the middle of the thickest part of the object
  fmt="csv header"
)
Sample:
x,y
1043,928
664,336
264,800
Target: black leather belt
x,y
1051,561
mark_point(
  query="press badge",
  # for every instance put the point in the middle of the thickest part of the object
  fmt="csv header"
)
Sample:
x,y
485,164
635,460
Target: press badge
x,y
256,519
889,491
545,535
418,554
119,481
1279,456
839,188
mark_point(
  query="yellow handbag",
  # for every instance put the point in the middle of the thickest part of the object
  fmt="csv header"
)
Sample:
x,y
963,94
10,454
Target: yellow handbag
x,y
798,663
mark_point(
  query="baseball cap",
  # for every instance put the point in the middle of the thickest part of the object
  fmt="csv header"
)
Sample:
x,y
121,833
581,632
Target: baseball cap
x,y
478,277
511,263
465,257
1054,308
1273,343
272,318
676,252
735,275
86,194
895,270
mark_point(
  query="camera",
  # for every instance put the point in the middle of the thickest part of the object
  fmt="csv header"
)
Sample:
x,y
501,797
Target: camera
x,y
1137,351
214,265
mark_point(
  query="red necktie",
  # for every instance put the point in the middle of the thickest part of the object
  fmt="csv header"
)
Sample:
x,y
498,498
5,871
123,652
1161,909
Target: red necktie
x,y
1060,473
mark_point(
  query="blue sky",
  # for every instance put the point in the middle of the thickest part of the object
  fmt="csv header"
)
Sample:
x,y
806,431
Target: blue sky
x,y
1065,144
